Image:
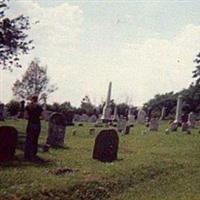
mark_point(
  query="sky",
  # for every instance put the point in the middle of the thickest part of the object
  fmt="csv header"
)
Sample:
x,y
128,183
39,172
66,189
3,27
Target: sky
x,y
144,47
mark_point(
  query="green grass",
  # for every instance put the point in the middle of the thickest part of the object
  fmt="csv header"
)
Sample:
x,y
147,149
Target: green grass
x,y
150,166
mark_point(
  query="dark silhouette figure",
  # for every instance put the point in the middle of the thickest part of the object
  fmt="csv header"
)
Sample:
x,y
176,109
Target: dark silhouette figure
x,y
34,111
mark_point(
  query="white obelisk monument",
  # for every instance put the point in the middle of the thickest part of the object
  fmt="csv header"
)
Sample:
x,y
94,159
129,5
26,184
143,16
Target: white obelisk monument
x,y
106,115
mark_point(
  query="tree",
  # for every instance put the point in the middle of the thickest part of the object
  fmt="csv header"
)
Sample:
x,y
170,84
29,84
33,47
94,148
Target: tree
x,y
86,106
13,38
196,72
34,82
13,107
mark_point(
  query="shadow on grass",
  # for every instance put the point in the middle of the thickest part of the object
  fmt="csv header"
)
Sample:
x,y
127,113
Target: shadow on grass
x,y
19,161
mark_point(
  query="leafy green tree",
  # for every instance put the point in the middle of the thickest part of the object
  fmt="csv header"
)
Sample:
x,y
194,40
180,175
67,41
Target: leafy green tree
x,y
86,106
34,82
13,107
196,72
13,38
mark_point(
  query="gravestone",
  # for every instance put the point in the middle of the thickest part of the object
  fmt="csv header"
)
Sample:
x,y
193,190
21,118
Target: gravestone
x,y
153,124
8,142
141,117
115,116
127,130
92,119
163,113
56,130
84,118
121,125
174,126
106,146
92,131
1,112
184,127
191,120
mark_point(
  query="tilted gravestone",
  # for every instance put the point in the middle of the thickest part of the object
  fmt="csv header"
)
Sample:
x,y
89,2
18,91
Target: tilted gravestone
x,y
56,131
8,142
106,145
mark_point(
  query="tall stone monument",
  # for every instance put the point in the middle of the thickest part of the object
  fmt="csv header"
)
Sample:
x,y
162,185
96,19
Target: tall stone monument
x,y
106,115
131,117
178,109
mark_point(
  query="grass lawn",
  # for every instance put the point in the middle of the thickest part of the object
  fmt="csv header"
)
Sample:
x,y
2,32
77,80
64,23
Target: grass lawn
x,y
150,166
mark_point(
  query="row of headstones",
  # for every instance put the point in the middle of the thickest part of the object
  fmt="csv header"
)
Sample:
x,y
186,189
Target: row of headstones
x,y
105,148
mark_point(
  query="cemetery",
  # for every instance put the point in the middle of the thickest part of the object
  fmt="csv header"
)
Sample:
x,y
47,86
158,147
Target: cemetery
x,y
135,134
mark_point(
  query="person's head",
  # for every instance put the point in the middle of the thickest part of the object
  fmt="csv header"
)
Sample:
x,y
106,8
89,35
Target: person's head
x,y
34,99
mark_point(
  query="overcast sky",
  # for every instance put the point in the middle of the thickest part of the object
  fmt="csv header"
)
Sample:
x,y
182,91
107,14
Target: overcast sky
x,y
143,47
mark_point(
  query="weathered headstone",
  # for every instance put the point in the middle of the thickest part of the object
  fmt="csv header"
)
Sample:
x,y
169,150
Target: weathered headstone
x,y
174,126
92,119
184,127
153,124
1,112
56,131
121,125
163,113
92,131
8,142
127,130
106,146
191,120
141,116
131,117
84,118
115,116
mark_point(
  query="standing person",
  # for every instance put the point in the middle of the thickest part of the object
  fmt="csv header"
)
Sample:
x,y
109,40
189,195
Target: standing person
x,y
33,111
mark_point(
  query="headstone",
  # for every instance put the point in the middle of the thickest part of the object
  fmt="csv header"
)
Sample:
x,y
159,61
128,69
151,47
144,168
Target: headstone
x,y
141,118
131,117
92,131
74,132
56,131
1,112
163,113
106,115
184,127
127,130
77,118
8,142
92,119
153,124
191,120
121,125
84,118
115,117
174,126
106,146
